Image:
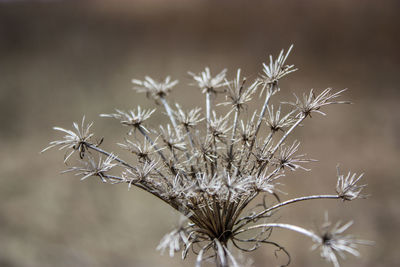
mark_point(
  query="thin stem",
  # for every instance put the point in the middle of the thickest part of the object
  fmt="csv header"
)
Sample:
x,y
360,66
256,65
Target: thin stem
x,y
297,123
235,120
91,146
208,109
190,137
291,227
268,95
277,206
148,138
266,143
147,189
170,115
247,219
240,207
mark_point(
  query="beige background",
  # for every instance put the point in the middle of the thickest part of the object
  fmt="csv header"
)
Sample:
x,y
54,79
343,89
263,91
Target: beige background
x,y
62,59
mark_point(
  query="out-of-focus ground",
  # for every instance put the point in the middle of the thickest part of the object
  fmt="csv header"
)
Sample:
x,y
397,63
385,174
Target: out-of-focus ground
x,y
62,59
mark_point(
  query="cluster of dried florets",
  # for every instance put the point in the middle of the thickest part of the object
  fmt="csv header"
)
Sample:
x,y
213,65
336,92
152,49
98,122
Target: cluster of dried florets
x,y
211,168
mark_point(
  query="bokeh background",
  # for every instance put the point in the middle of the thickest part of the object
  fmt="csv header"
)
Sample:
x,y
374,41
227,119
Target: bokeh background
x,y
62,59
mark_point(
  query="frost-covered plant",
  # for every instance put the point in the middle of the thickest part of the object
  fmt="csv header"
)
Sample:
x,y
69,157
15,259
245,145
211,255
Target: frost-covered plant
x,y
210,167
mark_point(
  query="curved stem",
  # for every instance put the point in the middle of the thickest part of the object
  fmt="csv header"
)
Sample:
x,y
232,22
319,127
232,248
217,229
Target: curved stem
x,y
291,227
147,189
247,219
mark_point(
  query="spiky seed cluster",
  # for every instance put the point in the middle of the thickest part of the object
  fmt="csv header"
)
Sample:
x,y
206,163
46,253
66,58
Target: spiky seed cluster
x,y
92,168
132,118
334,242
210,167
237,94
347,187
206,82
154,88
276,69
73,140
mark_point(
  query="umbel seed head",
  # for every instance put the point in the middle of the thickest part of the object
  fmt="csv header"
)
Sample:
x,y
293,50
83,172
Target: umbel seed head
x,y
211,162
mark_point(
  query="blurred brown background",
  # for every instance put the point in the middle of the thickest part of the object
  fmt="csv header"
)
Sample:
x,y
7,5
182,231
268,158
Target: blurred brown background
x,y
62,59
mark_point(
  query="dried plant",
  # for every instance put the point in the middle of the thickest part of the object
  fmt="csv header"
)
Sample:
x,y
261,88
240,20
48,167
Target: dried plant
x,y
210,169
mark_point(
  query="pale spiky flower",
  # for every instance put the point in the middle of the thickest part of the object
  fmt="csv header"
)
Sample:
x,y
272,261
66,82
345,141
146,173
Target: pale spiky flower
x,y
73,140
276,68
247,131
236,184
139,173
91,167
172,241
274,120
142,150
188,119
153,87
172,138
207,82
133,118
219,126
334,242
287,157
238,95
212,167
347,187
311,103
266,182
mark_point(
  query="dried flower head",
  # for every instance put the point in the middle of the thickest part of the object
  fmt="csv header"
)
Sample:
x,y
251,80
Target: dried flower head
x,y
93,168
154,88
132,118
212,167
334,242
172,138
277,123
276,69
73,140
188,119
286,157
219,126
311,103
238,95
206,82
142,150
139,173
173,241
347,187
